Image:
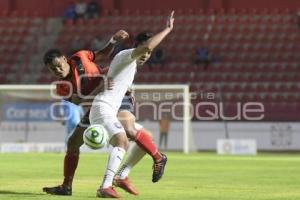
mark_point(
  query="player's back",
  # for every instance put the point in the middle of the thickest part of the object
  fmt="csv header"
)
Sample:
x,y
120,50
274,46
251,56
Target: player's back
x,y
122,70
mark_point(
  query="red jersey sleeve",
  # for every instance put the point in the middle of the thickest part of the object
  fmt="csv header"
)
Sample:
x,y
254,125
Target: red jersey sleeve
x,y
86,53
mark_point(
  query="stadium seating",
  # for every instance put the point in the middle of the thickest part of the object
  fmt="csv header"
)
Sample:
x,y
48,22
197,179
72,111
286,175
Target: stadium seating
x,y
256,51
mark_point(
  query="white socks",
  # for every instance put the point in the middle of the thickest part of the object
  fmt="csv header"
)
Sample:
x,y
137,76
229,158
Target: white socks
x,y
115,158
134,156
123,172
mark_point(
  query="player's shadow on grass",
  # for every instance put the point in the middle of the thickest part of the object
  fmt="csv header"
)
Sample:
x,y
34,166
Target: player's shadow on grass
x,y
7,192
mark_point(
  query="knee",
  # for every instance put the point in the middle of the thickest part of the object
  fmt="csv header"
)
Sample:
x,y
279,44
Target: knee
x,y
75,140
71,144
120,140
131,133
123,142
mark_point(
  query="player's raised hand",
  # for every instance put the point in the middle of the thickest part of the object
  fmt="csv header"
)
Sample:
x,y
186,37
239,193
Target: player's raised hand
x,y
121,35
170,20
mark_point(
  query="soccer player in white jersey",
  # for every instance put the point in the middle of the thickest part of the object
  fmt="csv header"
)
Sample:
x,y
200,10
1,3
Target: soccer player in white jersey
x,y
106,104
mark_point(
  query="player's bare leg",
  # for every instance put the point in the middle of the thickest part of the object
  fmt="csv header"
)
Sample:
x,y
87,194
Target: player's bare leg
x,y
145,141
72,158
70,164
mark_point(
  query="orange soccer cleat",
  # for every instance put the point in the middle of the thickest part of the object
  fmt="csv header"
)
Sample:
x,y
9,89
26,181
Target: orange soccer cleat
x,y
126,185
109,192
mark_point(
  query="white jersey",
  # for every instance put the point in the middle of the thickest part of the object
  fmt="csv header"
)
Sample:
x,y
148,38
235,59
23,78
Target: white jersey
x,y
122,70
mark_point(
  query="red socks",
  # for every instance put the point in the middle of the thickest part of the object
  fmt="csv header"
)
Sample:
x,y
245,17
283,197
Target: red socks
x,y
145,142
70,165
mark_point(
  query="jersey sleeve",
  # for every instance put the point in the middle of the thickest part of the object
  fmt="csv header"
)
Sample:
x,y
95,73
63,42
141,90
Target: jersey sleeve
x,y
125,55
86,53
120,61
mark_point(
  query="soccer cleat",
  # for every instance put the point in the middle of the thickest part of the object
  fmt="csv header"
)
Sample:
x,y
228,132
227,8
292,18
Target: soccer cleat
x,y
126,185
109,192
58,190
158,168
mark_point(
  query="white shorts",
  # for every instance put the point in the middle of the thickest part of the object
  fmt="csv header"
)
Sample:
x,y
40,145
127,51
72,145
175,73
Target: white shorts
x,y
104,114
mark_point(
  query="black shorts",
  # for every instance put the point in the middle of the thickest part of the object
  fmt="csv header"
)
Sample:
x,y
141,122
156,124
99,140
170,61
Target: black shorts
x,y
127,104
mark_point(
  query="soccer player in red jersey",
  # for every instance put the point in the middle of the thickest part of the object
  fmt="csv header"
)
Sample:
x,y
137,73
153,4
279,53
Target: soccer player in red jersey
x,y
78,77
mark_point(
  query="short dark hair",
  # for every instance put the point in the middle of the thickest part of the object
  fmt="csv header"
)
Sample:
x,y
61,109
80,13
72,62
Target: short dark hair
x,y
142,37
50,55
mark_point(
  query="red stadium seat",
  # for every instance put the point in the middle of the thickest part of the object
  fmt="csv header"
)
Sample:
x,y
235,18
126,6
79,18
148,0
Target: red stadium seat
x,y
4,13
237,88
279,98
292,98
267,98
232,11
294,88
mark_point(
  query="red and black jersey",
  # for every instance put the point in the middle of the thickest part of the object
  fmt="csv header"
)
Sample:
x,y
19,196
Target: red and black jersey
x,y
84,76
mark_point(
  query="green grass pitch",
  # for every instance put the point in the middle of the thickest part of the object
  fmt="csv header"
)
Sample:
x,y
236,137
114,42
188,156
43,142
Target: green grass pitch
x,y
203,176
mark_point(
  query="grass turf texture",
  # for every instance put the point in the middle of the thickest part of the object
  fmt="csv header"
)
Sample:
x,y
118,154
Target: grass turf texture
x,y
197,176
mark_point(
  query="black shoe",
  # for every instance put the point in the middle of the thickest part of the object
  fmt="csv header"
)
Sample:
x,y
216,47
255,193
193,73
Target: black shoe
x,y
58,190
158,168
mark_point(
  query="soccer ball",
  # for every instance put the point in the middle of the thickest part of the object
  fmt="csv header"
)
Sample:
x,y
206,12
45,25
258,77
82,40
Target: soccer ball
x,y
95,136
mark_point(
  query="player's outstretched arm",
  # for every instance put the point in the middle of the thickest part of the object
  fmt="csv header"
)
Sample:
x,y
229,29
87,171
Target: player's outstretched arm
x,y
155,40
119,36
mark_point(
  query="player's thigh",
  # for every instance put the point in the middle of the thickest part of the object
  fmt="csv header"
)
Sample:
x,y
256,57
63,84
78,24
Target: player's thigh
x,y
127,119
